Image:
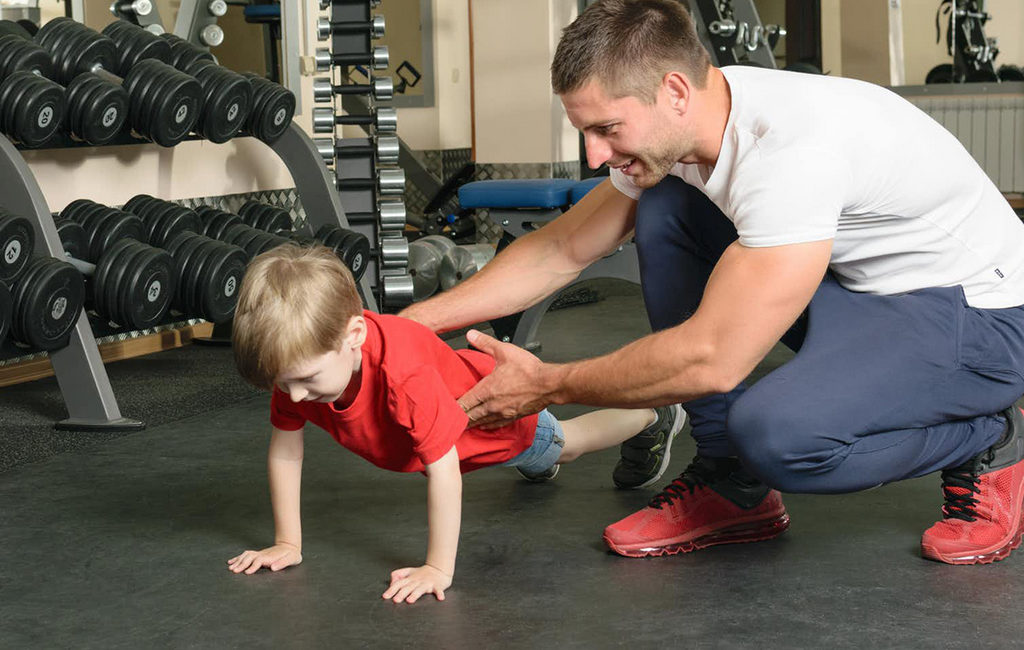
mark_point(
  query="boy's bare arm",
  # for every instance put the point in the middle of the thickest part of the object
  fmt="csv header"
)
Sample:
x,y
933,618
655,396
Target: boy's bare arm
x,y
284,468
444,516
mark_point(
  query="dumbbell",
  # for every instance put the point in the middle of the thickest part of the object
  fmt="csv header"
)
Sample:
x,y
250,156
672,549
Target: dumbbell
x,y
461,262
95,109
382,148
374,27
16,242
397,290
389,215
376,59
389,182
6,311
425,255
266,217
273,105
41,298
384,120
227,95
208,271
164,103
380,88
393,251
131,283
351,247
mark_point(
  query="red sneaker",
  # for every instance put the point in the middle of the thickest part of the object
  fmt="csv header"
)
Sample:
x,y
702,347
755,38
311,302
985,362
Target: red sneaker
x,y
982,518
712,502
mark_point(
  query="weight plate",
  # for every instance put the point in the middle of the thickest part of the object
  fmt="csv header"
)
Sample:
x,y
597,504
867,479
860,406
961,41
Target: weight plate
x,y
106,301
203,255
222,222
96,109
50,306
120,280
354,251
176,221
227,101
121,225
101,274
148,288
273,108
6,311
182,259
17,241
72,238
323,231
219,283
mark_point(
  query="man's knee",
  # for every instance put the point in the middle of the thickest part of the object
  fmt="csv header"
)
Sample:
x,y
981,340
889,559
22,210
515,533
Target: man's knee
x,y
781,448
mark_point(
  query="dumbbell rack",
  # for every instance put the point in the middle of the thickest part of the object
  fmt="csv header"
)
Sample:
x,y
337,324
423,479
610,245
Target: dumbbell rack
x,y
361,178
80,372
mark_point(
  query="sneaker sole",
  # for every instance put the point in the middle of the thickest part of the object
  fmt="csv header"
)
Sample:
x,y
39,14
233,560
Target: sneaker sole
x,y
983,556
677,426
751,531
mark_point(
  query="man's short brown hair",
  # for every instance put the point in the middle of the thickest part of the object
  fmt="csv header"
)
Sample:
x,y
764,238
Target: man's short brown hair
x,y
629,46
294,305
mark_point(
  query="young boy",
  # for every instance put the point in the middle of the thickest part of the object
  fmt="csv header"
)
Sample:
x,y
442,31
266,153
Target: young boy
x,y
386,389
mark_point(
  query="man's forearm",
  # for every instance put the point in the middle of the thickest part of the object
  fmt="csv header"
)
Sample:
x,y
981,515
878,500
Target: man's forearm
x,y
652,371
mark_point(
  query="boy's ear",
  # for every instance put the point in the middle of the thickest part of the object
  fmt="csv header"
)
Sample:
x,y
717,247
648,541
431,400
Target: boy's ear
x,y
355,334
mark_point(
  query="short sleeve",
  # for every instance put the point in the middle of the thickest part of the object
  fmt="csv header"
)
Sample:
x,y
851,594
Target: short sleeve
x,y
284,413
423,405
624,184
792,197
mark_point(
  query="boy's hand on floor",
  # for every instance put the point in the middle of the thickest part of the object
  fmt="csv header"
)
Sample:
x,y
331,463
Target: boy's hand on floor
x,y
410,583
275,558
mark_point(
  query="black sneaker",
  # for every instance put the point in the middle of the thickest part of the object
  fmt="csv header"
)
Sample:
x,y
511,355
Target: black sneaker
x,y
645,456
546,475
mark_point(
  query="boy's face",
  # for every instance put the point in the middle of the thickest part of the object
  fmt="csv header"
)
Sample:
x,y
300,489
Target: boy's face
x,y
326,377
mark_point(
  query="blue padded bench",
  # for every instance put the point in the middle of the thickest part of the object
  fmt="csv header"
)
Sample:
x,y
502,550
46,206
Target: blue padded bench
x,y
541,193
580,188
522,205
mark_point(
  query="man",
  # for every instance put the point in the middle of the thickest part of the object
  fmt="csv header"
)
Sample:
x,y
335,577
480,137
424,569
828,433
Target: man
x,y
825,212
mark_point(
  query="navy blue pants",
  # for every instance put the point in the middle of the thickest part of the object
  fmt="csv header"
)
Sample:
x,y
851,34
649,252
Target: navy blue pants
x,y
882,388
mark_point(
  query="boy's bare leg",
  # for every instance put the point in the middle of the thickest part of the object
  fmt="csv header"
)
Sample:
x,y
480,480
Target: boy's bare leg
x,y
602,429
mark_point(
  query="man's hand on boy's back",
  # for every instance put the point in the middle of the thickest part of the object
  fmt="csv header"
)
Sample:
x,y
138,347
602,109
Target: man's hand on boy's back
x,y
275,558
410,583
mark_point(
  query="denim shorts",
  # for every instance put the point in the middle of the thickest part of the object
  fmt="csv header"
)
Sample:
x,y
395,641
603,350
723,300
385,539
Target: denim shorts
x,y
548,442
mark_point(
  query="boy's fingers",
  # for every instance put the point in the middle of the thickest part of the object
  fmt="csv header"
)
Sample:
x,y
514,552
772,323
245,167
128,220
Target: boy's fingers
x,y
439,593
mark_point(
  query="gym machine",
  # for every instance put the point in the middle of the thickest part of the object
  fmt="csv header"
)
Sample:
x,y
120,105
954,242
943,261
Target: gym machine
x,y
732,32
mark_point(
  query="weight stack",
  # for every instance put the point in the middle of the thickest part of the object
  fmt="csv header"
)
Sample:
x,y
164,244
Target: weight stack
x,y
370,183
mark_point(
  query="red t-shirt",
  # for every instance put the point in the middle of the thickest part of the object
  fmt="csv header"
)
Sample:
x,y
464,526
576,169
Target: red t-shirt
x,y
405,414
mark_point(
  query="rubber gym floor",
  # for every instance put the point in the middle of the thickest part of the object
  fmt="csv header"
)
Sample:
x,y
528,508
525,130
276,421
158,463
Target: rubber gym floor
x,y
121,541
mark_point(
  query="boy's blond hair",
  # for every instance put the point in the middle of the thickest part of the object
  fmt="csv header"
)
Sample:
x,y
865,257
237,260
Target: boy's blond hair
x,y
295,304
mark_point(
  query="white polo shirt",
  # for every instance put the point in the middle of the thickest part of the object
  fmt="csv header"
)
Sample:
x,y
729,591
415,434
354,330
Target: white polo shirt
x,y
812,157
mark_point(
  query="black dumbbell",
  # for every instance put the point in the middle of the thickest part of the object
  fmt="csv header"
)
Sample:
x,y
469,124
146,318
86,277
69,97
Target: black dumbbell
x,y
164,103
208,272
47,301
95,109
215,221
131,283
383,120
270,218
389,182
351,247
253,240
163,219
6,311
273,105
31,106
16,242
377,59
374,27
382,149
46,295
380,88
227,95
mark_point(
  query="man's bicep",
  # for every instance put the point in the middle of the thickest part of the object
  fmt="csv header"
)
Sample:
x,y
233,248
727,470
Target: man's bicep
x,y
754,295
